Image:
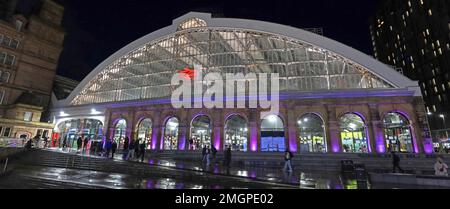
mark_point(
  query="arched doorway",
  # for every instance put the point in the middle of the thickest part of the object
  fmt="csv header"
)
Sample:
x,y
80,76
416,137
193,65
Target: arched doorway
x,y
397,133
311,134
171,134
272,134
120,131
353,134
200,133
236,133
70,130
144,132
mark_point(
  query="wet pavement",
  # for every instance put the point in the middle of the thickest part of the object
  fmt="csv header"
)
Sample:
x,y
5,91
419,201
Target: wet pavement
x,y
193,176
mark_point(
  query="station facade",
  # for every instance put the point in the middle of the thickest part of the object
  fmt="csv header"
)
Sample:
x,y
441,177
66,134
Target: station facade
x,y
333,99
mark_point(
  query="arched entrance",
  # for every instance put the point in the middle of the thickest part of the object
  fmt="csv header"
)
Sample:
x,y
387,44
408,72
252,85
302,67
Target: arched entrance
x,y
353,134
120,131
171,134
200,133
272,134
144,132
311,134
236,133
397,133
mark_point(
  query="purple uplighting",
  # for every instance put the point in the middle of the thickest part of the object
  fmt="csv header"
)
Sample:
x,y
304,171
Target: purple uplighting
x,y
292,141
217,139
253,139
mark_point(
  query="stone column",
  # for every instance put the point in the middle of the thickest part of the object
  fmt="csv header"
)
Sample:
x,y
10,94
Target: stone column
x,y
375,130
255,132
182,132
292,131
423,142
335,144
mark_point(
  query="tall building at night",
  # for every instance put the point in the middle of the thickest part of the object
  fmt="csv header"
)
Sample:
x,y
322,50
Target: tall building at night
x,y
414,36
30,46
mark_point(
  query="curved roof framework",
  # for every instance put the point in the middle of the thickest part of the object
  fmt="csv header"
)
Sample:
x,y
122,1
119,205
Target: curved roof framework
x,y
305,61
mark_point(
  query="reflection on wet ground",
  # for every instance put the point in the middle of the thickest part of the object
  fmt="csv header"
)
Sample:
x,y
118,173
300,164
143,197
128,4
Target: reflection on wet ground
x,y
206,177
28,177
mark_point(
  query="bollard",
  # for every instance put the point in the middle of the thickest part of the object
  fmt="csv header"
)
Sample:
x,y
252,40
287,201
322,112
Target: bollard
x,y
6,165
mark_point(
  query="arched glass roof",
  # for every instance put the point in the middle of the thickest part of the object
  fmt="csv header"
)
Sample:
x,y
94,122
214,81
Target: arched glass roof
x,y
146,72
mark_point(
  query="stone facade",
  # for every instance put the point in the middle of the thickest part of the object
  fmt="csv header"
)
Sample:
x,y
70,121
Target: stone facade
x,y
32,44
371,109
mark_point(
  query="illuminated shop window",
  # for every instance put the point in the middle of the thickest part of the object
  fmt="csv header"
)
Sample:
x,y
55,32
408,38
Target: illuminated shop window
x,y
397,133
171,134
272,134
311,134
353,134
144,133
236,133
200,133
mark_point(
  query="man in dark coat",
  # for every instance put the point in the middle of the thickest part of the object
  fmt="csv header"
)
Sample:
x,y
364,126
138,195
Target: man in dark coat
x,y
126,145
113,148
228,156
79,142
203,154
142,150
136,148
396,162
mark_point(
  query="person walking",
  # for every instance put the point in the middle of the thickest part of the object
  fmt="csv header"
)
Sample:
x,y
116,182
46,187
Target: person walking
x,y
136,148
396,163
113,148
440,168
126,145
45,142
142,150
130,150
287,158
213,152
203,154
208,155
108,147
79,142
228,156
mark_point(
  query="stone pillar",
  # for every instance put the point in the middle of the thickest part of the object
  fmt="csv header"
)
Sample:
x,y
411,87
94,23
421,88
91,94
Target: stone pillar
x,y
182,132
255,132
333,132
375,130
423,143
216,138
292,131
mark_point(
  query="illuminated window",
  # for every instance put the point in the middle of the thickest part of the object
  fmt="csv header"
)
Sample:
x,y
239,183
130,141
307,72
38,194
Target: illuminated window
x,y
192,23
28,116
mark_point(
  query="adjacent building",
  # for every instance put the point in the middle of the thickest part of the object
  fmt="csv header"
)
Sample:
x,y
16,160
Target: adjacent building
x,y
30,46
414,36
332,98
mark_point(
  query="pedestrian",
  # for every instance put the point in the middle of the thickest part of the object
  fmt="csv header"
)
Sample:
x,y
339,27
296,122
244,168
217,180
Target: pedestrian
x,y
79,143
126,145
396,162
287,158
64,145
113,148
142,150
203,154
228,156
208,155
136,148
130,150
108,147
36,140
29,145
213,152
440,168
45,142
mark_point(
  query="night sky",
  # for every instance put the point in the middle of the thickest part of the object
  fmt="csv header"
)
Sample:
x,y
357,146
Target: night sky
x,y
98,28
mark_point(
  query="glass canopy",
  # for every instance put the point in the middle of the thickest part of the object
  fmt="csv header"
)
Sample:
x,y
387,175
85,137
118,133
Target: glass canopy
x,y
146,72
